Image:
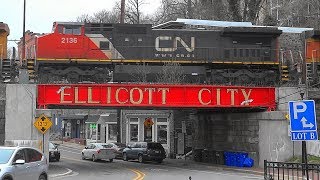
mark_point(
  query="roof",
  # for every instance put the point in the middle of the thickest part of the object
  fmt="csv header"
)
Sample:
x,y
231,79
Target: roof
x,y
69,23
210,23
4,28
198,22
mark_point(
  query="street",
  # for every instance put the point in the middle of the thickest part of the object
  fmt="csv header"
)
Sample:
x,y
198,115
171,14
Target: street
x,y
72,167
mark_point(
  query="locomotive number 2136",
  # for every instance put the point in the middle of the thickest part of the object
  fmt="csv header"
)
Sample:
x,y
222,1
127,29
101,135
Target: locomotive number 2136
x,y
68,40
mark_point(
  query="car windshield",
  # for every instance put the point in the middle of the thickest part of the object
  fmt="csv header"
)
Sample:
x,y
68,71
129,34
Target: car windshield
x,y
154,146
103,146
5,155
51,146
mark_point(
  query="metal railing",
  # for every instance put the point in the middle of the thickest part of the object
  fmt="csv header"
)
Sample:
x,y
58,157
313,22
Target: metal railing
x,y
291,171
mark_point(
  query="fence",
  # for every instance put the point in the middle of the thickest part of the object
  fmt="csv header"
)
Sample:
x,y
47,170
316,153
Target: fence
x,y
290,171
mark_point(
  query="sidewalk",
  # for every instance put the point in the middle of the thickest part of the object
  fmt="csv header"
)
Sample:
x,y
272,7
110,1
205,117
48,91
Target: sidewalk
x,y
208,166
190,164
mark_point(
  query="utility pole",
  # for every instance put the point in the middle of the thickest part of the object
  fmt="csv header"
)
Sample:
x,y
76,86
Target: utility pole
x,y
24,36
122,13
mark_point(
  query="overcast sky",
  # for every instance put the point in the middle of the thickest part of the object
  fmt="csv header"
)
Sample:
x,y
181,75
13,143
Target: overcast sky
x,y
40,14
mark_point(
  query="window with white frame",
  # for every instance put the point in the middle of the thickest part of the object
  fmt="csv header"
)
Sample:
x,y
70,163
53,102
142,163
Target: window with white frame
x,y
134,129
162,130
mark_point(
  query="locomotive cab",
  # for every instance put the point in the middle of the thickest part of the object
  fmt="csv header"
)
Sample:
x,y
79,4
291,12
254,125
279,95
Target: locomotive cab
x,y
68,28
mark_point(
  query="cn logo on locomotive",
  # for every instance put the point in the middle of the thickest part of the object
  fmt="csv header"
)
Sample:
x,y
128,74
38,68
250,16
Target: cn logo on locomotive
x,y
175,41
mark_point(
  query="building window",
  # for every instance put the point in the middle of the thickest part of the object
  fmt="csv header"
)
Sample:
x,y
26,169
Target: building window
x,y
162,120
162,132
112,132
134,132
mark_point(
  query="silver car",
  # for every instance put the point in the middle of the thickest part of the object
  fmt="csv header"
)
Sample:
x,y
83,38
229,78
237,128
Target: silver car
x,y
97,151
25,163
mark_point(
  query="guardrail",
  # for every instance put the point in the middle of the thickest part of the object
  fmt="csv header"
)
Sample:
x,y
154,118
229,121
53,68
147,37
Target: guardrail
x,y
291,171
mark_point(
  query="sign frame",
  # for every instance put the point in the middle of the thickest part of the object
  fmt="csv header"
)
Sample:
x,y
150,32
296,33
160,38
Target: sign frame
x,y
303,121
42,123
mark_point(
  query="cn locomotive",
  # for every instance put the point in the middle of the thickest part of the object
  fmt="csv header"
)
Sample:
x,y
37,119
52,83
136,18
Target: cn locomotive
x,y
100,53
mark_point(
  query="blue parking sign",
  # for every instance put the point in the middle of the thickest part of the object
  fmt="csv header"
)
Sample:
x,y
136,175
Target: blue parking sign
x,y
303,120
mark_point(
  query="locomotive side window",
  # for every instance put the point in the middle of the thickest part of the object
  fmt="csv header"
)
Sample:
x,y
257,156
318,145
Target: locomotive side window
x,y
104,45
75,30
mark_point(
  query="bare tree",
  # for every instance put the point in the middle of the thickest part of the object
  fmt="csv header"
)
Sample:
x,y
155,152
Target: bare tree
x,y
235,10
134,14
141,72
102,16
297,13
171,73
84,18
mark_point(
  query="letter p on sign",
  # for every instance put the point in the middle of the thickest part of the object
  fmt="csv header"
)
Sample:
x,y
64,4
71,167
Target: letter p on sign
x,y
298,107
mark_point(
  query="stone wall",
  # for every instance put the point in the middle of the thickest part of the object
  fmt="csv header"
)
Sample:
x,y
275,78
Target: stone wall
x,y
228,132
2,112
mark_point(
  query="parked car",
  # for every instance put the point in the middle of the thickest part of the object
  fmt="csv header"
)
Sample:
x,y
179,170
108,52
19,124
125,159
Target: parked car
x,y
24,163
98,151
118,149
54,153
144,151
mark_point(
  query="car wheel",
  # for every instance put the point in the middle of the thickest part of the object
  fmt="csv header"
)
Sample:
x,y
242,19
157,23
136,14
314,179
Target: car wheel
x,y
94,158
140,158
82,156
7,178
42,177
111,160
125,158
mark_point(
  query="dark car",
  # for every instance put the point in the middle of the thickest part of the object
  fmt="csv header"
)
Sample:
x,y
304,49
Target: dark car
x,y
118,149
144,151
54,153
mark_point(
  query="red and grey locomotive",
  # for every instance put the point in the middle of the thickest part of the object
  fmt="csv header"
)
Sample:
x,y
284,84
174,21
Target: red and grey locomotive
x,y
100,53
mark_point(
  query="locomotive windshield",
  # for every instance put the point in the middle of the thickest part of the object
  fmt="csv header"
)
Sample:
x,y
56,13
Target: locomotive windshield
x,y
75,30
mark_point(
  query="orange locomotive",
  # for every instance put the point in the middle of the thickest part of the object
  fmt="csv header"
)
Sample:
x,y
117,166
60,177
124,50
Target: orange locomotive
x,y
312,57
4,33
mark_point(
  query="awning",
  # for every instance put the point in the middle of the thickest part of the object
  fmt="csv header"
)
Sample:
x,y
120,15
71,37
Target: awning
x,y
92,119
